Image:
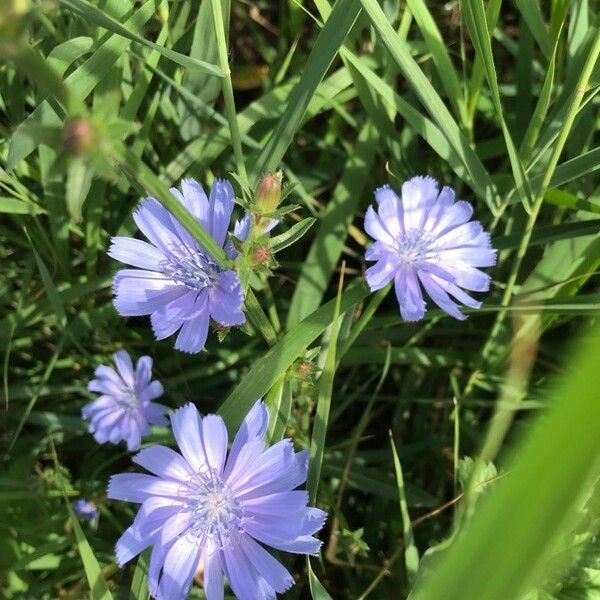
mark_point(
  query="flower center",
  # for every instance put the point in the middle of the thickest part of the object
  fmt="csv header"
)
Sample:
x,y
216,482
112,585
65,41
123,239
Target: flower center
x,y
216,515
413,247
129,401
195,269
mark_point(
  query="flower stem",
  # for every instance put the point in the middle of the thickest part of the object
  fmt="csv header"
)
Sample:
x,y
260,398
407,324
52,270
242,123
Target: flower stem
x,y
537,205
227,88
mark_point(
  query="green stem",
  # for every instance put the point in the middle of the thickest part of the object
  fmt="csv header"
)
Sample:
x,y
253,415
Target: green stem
x,y
522,249
258,318
227,88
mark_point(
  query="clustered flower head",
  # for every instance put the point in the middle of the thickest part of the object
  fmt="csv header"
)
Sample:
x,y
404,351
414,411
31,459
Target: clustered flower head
x,y
124,411
206,506
426,241
176,281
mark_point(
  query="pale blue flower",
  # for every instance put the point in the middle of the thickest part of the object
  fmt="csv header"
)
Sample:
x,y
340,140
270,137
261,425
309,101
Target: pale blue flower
x,y
425,241
86,509
207,506
241,228
176,281
124,411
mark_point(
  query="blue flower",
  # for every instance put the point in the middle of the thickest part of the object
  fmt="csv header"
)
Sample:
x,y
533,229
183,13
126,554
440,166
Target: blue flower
x,y
426,241
207,506
86,509
241,228
176,281
125,409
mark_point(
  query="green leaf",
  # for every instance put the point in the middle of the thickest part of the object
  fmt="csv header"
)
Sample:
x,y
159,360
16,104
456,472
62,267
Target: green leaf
x,y
268,369
322,258
431,101
51,290
411,553
530,9
475,19
547,469
139,583
81,82
93,572
317,591
324,49
325,391
79,180
96,16
439,53
291,236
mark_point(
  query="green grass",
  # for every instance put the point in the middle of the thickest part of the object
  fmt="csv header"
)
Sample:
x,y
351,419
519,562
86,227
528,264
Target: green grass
x,y
498,100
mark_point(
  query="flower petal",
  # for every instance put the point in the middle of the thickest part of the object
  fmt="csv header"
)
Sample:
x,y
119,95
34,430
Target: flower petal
x,y
376,229
154,221
164,462
242,576
142,292
213,577
195,200
193,334
221,206
390,211
253,427
458,214
440,297
125,367
214,436
188,434
418,198
382,272
138,487
443,203
226,300
273,572
180,565
143,372
408,292
136,253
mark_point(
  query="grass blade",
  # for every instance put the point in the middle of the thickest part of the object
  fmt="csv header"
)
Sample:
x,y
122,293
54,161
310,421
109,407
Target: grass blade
x,y
431,101
96,16
326,45
267,370
549,470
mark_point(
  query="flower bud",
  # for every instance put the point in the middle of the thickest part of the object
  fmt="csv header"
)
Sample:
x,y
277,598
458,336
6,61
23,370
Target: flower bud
x,y
268,192
260,254
79,136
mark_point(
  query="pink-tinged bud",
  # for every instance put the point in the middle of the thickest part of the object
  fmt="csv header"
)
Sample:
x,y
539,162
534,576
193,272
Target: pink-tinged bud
x,y
79,136
304,368
268,192
260,254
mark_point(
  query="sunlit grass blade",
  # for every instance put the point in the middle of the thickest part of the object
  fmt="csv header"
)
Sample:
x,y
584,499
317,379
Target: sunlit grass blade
x,y
411,553
475,19
324,49
326,248
267,370
96,16
430,99
439,54
548,470
325,390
